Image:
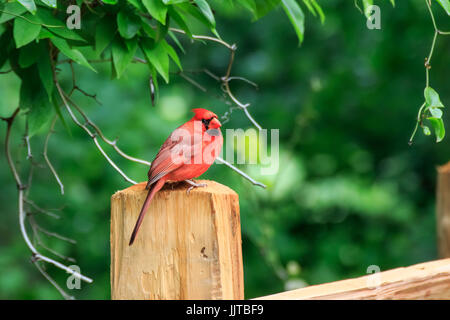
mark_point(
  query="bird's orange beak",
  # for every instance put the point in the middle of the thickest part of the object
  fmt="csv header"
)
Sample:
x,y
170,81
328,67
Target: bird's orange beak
x,y
215,124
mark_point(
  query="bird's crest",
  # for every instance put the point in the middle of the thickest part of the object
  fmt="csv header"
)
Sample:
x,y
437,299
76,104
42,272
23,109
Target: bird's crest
x,y
201,113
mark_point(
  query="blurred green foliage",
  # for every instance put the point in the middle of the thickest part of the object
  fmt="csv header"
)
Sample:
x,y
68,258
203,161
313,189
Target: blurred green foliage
x,y
349,192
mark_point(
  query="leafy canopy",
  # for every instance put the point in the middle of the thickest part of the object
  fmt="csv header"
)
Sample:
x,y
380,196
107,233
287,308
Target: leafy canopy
x,y
34,36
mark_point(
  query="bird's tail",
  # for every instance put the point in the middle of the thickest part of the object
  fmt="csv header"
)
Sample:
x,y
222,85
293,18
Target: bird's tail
x,y
151,192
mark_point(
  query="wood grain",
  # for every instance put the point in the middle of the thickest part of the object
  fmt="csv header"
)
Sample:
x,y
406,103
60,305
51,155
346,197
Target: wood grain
x,y
443,210
188,247
430,280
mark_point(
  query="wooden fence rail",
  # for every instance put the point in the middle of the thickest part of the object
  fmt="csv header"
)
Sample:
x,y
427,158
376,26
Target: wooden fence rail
x,y
429,280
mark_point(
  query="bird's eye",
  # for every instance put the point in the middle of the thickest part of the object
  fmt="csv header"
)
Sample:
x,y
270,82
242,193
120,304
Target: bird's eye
x,y
206,121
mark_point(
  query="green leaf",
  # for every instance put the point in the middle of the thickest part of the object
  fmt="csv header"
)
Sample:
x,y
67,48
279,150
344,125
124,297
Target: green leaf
x,y
445,4
6,44
161,31
137,4
129,24
71,53
432,98
123,54
194,12
157,9
28,55
180,19
426,130
34,99
104,34
50,3
157,55
45,34
12,7
366,5
310,7
24,31
263,7
250,5
438,126
45,70
148,28
435,112
110,1
45,16
172,53
319,11
296,16
393,3
29,5
67,34
206,11
177,42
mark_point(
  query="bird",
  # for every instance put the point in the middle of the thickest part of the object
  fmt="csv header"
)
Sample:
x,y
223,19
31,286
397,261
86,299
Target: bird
x,y
186,154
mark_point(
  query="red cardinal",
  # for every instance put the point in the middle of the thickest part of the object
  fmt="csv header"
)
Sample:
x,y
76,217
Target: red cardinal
x,y
186,154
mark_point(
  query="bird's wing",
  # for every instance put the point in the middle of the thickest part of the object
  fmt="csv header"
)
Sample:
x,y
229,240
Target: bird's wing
x,y
177,146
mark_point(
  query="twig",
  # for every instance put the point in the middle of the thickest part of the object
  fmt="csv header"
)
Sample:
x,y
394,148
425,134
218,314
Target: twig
x,y
200,37
39,209
30,179
63,97
112,143
26,138
52,169
36,255
135,60
93,96
39,242
192,81
226,78
32,22
55,235
246,176
89,122
12,167
53,282
222,98
245,80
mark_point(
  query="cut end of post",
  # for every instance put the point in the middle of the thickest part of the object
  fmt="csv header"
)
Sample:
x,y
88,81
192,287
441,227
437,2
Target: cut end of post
x,y
212,187
445,168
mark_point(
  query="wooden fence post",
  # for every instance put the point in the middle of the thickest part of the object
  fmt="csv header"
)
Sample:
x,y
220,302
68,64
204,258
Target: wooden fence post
x,y
188,247
443,210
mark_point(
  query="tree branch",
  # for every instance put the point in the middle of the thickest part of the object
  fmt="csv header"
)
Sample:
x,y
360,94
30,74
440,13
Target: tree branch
x,y
226,78
246,176
64,97
52,169
22,215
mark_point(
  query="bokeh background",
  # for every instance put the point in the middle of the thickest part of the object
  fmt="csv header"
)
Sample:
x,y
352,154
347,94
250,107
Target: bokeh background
x,y
349,192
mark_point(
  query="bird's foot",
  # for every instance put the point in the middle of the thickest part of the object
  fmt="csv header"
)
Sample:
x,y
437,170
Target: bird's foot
x,y
194,185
